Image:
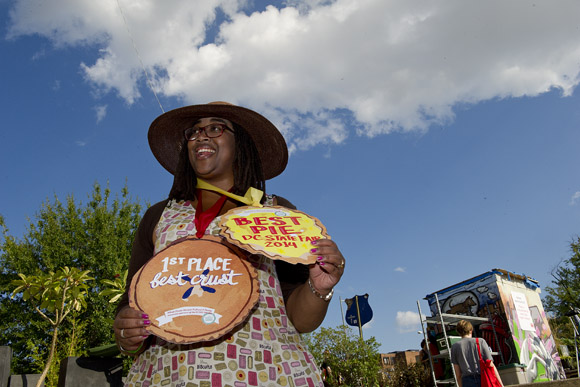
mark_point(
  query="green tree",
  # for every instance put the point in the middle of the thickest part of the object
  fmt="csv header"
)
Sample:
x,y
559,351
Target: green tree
x,y
115,288
564,294
409,375
54,295
357,361
563,297
96,236
563,332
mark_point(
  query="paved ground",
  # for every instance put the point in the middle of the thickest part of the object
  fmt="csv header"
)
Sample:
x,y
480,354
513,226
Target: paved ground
x,y
557,383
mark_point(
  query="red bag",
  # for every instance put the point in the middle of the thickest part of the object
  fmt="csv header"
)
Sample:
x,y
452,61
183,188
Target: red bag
x,y
488,376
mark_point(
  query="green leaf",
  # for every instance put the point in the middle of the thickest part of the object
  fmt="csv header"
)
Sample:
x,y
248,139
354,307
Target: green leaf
x,y
85,241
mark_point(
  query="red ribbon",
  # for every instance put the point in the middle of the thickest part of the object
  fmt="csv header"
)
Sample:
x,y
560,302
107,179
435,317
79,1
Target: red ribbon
x,y
204,218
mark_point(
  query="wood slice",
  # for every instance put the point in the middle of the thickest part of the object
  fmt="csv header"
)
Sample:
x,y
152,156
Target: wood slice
x,y
277,232
195,290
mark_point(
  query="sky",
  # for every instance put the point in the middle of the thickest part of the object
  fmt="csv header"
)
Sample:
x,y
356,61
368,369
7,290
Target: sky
x,y
435,140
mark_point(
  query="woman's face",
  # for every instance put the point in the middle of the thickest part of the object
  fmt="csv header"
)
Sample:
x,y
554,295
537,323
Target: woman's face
x,y
212,159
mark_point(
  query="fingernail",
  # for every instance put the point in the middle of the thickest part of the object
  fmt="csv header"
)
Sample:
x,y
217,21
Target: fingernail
x,y
319,258
313,242
145,336
144,315
313,251
146,322
321,263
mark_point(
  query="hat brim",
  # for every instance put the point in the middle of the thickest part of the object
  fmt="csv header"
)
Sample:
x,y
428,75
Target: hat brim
x,y
166,134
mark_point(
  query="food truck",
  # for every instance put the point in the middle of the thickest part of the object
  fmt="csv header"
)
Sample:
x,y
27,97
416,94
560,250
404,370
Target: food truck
x,y
507,312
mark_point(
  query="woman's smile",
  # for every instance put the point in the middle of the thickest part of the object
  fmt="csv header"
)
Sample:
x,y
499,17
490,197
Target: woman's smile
x,y
204,152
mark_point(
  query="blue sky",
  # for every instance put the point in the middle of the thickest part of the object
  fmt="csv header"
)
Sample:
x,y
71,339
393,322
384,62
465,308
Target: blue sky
x,y
434,141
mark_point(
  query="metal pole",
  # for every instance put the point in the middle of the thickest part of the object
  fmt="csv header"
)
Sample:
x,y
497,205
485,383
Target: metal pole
x,y
426,342
358,313
575,345
342,315
447,344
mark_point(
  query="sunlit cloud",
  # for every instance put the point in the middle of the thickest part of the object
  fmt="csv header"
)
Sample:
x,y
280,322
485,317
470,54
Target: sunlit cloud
x,y
574,199
322,71
400,269
407,321
101,112
369,325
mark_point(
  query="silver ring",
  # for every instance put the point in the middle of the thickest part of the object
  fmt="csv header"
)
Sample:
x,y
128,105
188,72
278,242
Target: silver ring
x,y
123,333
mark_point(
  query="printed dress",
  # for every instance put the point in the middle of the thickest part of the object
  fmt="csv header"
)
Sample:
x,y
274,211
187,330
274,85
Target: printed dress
x,y
266,351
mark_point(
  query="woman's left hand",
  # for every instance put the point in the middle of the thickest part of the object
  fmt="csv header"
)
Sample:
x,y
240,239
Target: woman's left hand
x,y
307,305
329,267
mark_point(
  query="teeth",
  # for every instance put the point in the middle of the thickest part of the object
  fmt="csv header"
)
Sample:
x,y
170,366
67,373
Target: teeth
x,y
205,150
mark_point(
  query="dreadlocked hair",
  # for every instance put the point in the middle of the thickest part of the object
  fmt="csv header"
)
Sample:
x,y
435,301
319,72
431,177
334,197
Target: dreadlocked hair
x,y
247,164
247,169
184,178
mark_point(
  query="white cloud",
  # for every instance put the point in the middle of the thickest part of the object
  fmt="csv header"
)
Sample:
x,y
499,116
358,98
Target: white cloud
x,y
81,143
408,321
574,199
400,269
38,55
367,326
322,70
101,112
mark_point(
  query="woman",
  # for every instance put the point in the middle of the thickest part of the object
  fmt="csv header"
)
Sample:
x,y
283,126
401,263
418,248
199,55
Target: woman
x,y
232,148
465,357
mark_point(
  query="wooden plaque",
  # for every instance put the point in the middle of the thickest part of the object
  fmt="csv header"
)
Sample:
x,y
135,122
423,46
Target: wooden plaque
x,y
277,232
195,290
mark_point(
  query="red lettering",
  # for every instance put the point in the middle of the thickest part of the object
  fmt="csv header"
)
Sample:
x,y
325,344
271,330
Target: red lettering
x,y
287,230
277,221
242,221
257,229
294,219
260,220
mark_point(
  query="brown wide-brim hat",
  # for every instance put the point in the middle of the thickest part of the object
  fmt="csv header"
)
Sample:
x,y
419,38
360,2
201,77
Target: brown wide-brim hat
x,y
166,134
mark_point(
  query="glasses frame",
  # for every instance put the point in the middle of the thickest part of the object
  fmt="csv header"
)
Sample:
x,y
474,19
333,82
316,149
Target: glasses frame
x,y
204,130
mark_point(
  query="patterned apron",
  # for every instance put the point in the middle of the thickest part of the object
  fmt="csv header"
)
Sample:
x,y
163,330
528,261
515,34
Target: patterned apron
x,y
266,351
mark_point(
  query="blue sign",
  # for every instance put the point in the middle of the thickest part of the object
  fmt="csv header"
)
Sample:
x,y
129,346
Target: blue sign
x,y
363,313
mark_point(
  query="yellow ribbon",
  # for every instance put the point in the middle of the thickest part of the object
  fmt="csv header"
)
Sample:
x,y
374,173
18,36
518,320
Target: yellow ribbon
x,y
251,198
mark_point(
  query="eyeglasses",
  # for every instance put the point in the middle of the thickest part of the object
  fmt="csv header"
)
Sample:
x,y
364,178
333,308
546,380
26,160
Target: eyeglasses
x,y
212,131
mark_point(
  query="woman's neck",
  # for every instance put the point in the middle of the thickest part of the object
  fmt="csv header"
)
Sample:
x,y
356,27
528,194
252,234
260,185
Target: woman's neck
x,y
209,198
225,182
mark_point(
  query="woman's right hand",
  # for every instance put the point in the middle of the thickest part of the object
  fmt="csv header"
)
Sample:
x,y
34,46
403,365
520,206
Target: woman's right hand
x,y
130,328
